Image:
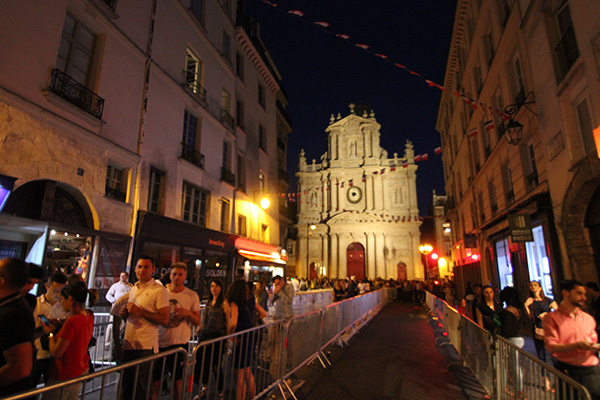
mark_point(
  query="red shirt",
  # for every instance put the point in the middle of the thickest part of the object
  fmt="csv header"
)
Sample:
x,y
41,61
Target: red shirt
x,y
560,327
74,362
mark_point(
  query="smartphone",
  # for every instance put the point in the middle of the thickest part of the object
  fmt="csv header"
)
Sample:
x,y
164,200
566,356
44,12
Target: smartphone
x,y
45,320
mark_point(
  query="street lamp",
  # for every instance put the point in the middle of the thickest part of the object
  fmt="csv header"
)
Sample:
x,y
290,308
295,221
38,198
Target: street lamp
x,y
312,227
514,129
426,249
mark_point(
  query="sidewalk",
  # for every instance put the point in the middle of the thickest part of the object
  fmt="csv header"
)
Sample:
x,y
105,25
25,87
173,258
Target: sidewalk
x,y
397,356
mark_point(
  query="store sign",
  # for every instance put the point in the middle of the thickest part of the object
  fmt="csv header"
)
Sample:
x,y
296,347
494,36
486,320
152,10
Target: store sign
x,y
216,273
520,228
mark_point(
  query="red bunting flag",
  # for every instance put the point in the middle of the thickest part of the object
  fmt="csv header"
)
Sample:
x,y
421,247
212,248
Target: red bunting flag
x,y
269,3
364,178
474,132
382,171
323,24
417,158
362,46
438,150
381,56
375,172
399,65
488,125
405,164
343,36
393,167
351,182
424,157
296,12
342,185
414,73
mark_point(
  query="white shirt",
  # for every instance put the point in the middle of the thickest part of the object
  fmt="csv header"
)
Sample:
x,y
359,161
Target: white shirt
x,y
42,307
178,331
117,290
141,334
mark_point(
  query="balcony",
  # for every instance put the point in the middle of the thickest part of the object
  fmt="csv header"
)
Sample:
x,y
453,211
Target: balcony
x,y
192,155
227,119
75,93
194,86
567,52
227,176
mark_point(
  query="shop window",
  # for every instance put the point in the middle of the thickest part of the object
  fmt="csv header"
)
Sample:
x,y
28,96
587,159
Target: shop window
x,y
156,191
505,268
11,249
241,225
69,253
194,204
164,256
116,183
538,261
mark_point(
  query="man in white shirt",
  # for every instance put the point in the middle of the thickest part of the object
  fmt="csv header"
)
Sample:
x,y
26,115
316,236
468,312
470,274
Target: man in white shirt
x,y
44,304
120,288
184,312
147,307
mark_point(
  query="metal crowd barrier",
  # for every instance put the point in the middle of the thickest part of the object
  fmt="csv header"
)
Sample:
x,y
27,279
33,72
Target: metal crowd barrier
x,y
110,392
505,371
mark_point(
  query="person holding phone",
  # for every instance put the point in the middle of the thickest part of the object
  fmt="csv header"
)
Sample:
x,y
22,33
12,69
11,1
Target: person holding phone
x,y
41,315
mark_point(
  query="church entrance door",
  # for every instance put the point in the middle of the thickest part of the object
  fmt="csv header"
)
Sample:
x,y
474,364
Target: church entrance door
x,y
313,272
402,276
355,260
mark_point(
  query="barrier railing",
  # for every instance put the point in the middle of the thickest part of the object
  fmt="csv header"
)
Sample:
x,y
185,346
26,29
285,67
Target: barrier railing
x,y
503,370
256,361
111,392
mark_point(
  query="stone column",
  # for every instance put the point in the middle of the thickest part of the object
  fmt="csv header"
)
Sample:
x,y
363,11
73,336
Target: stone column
x,y
370,256
380,256
325,254
334,268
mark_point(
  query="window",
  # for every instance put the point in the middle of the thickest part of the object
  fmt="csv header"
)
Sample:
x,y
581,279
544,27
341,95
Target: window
x,y
225,218
493,200
518,84
477,79
226,173
567,50
194,204
197,8
508,185
241,173
262,138
481,206
261,95
241,225
239,66
226,117
585,126
190,144
76,50
116,184
193,74
239,113
532,177
156,191
226,46
475,150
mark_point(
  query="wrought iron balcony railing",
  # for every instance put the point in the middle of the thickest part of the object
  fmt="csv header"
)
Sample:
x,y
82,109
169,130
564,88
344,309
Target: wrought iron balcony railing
x,y
227,176
192,83
567,52
227,119
192,155
75,93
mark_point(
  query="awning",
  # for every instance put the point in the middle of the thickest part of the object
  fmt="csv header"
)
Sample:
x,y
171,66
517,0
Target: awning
x,y
258,251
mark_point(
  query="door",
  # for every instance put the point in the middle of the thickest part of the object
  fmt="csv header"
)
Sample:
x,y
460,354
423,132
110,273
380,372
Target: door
x,y
355,260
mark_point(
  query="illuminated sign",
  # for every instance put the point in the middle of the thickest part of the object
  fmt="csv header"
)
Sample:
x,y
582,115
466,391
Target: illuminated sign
x,y
217,243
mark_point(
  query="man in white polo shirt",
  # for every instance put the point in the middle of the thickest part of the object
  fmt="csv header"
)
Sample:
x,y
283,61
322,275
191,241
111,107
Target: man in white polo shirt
x,y
147,308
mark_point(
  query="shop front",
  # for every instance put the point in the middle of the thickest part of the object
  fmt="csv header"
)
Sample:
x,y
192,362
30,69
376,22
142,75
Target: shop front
x,y
259,260
208,254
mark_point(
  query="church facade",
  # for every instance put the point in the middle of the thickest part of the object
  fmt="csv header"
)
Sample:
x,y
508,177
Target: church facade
x,y
358,213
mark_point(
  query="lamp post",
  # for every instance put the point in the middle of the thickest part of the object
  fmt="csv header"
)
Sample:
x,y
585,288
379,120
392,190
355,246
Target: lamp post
x,y
311,227
426,249
514,129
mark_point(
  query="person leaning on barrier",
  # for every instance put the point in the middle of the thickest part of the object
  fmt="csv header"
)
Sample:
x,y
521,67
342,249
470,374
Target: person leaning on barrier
x,y
283,295
146,308
184,311
570,336
16,329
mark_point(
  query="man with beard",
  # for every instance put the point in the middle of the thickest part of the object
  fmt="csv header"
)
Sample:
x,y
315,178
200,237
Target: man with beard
x,y
570,336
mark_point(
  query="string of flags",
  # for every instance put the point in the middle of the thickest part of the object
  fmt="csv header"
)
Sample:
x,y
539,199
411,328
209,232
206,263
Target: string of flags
x,y
323,25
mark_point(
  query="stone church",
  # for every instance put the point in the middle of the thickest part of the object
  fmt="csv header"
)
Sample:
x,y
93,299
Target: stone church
x,y
358,211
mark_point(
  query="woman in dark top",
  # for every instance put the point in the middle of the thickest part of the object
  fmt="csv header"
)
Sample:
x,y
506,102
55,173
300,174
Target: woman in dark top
x,y
239,308
213,326
487,310
510,316
538,305
339,291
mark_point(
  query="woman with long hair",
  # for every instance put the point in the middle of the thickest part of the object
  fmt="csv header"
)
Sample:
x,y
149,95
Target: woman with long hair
x,y
214,325
487,310
239,318
537,305
69,346
510,316
260,294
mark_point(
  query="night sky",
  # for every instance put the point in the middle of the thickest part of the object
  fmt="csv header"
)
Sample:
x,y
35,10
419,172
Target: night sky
x,y
323,74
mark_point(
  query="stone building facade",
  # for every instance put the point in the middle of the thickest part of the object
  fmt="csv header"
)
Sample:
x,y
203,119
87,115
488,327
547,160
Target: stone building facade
x,y
358,212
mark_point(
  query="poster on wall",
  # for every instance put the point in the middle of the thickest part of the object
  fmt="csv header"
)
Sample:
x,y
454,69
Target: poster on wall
x,y
112,259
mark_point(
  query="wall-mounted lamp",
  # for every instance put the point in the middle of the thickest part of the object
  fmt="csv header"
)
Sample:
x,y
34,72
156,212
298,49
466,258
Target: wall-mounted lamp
x,y
514,129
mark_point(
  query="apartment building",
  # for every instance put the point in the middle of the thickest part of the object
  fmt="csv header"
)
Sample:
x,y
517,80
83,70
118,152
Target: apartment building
x,y
516,122
138,128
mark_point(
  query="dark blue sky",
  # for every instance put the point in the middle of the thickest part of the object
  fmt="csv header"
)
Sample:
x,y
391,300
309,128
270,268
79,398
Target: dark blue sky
x,y
323,74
